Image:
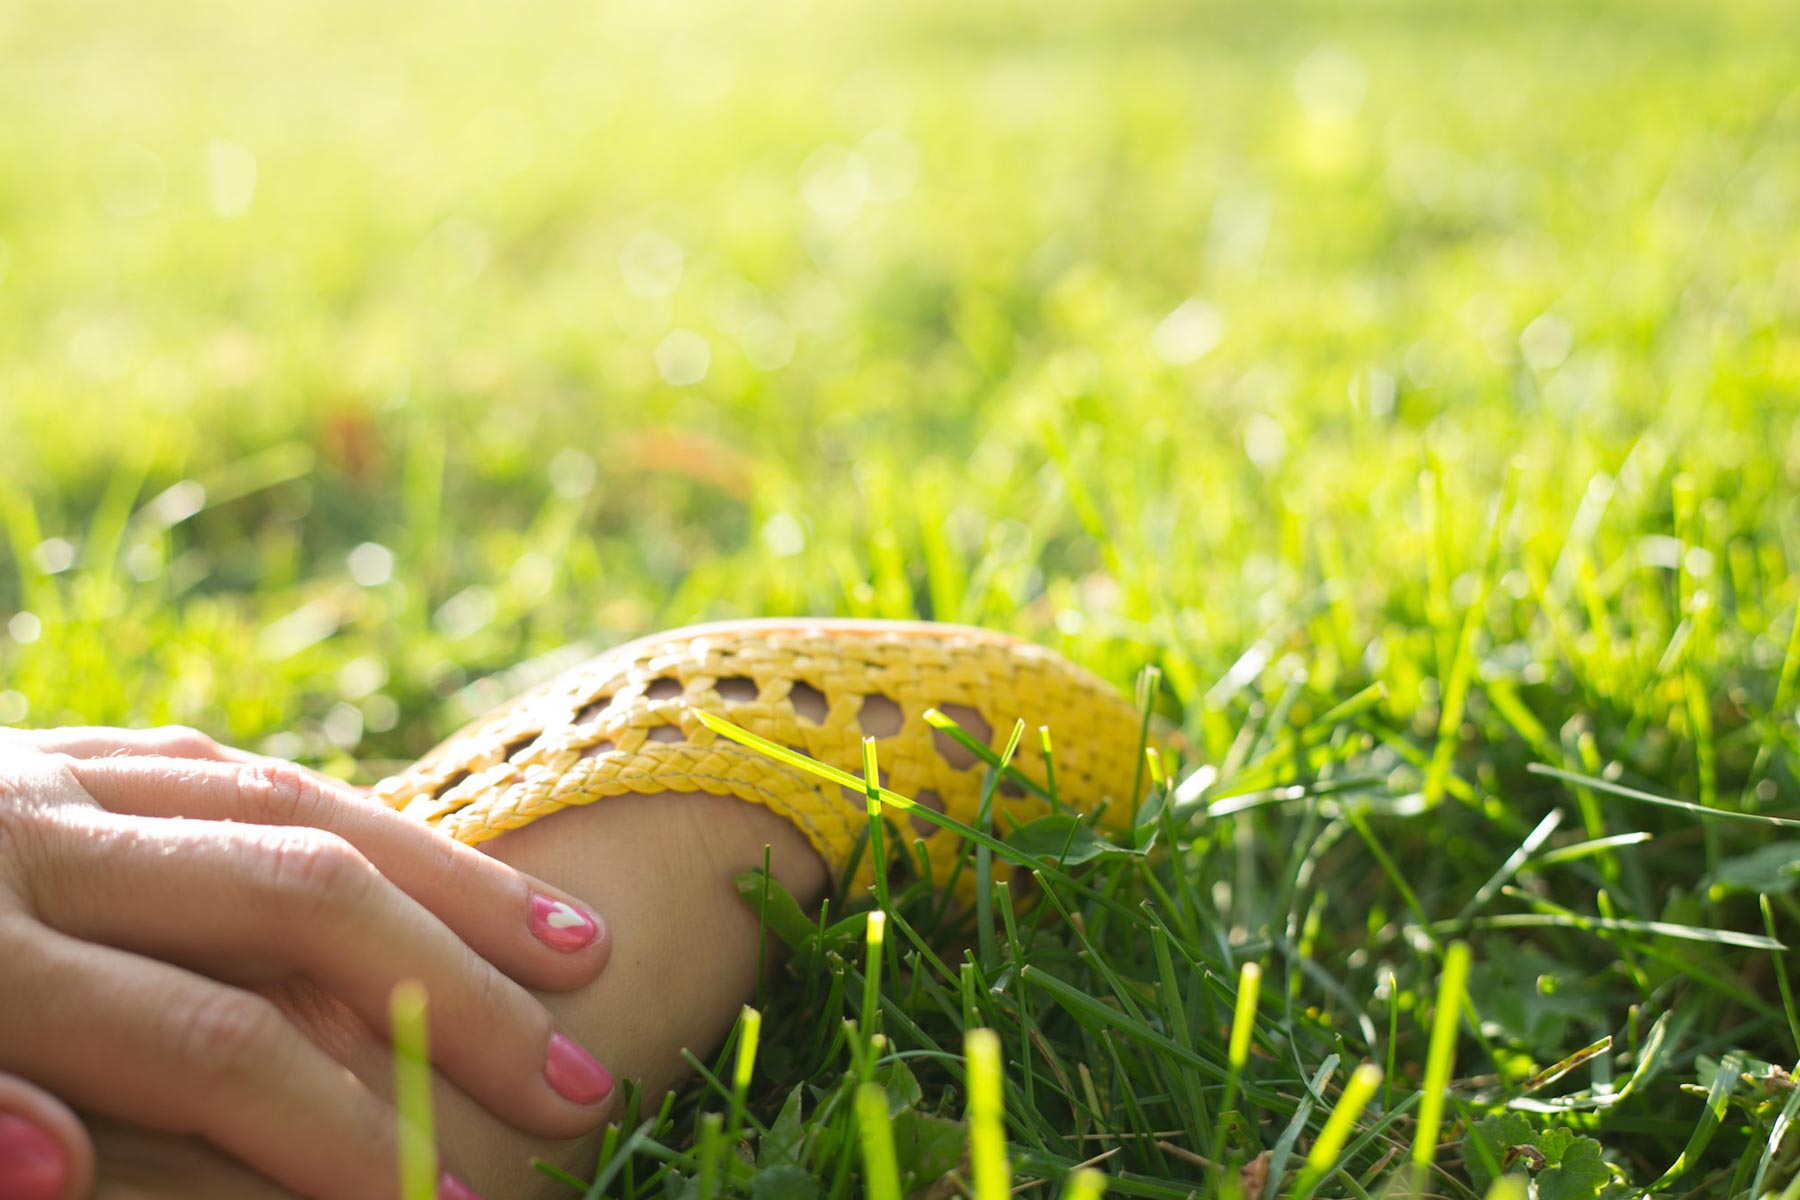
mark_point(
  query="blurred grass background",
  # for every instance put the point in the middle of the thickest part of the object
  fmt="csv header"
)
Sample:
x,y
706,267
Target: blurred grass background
x,y
1134,328
350,354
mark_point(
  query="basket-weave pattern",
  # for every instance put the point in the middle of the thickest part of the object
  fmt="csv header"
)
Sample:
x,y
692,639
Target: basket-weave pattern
x,y
624,722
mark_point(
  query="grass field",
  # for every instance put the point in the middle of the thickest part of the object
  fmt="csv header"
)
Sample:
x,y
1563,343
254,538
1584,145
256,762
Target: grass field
x,y
1412,385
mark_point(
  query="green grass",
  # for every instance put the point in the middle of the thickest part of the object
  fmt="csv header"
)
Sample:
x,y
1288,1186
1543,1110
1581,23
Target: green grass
x,y
412,1093
1412,385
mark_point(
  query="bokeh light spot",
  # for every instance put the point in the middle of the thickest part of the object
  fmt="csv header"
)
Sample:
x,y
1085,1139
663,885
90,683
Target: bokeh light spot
x,y
572,473
1546,343
891,163
768,343
230,178
834,183
1330,83
1189,333
466,613
54,555
683,357
24,628
784,535
371,564
651,265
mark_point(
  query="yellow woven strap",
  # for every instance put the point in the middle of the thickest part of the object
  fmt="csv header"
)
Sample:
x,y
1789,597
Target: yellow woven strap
x,y
624,722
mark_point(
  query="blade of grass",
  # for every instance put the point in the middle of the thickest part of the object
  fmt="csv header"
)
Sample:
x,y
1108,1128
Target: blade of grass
x,y
1284,1145
417,1139
749,1031
1777,1133
1441,1055
1642,797
1078,1001
1580,850
1565,920
1518,858
877,841
881,1168
1084,1184
1718,1097
987,1132
1788,1007
1323,1157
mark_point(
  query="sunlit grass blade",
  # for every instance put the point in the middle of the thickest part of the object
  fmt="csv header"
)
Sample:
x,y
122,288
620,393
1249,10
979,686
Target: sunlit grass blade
x,y
894,799
1237,1054
999,762
1330,1143
1642,797
1243,1022
1518,858
1084,1184
780,753
1441,1055
877,835
984,858
1510,1186
1580,850
874,935
1284,1145
987,1129
417,1138
1686,933
881,1169
743,1067
1557,1070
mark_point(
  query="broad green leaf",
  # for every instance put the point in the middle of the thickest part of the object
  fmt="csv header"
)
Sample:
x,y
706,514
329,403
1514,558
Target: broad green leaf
x,y
1149,813
781,914
1773,869
902,1088
1064,838
1576,1172
784,1183
1487,1146
786,1136
927,1147
1534,998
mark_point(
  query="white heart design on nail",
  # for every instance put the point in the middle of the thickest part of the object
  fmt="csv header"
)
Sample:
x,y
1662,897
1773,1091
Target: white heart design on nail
x,y
564,917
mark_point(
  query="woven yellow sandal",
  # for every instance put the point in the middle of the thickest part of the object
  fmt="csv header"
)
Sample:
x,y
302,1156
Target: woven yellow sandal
x,y
626,722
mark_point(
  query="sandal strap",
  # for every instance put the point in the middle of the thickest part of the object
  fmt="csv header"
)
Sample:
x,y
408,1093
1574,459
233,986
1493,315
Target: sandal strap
x,y
625,722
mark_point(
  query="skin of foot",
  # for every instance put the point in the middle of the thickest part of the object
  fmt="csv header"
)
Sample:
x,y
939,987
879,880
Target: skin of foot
x,y
684,961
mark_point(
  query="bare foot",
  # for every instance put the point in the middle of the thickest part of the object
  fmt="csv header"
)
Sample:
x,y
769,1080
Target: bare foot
x,y
684,957
685,945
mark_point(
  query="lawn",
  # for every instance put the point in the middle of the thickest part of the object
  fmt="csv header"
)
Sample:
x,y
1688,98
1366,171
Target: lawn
x,y
1412,386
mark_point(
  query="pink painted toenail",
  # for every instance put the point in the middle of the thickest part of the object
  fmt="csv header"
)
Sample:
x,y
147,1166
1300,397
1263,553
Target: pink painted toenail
x,y
574,1074
32,1163
561,926
452,1188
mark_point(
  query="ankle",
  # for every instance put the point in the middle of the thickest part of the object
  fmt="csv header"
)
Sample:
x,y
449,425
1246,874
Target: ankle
x,y
734,836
